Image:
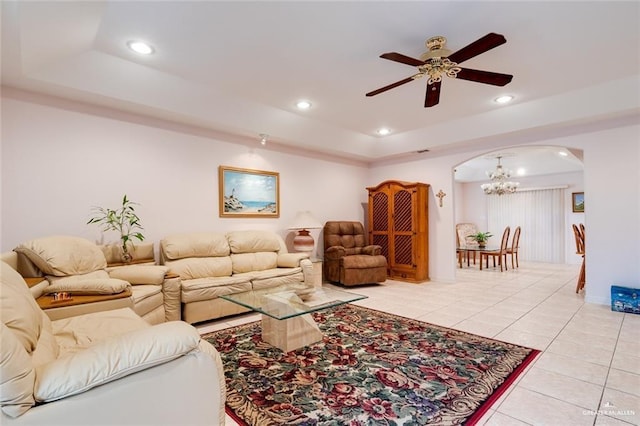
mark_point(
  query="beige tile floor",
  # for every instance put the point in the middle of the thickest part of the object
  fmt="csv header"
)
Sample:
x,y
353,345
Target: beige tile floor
x,y
589,370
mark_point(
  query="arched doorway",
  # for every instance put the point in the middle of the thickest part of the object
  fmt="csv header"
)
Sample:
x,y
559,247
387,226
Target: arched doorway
x,y
547,177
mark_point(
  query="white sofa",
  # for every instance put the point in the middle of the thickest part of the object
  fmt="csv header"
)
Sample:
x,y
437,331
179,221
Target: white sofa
x,y
212,264
76,265
107,368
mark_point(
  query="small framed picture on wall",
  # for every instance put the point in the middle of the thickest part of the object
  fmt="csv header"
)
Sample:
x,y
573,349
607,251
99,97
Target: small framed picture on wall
x,y
577,201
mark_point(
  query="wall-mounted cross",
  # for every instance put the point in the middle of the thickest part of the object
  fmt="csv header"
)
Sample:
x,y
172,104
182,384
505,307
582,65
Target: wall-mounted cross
x,y
440,195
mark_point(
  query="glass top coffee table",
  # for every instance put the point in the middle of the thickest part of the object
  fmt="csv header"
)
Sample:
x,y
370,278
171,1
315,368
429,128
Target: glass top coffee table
x,y
286,317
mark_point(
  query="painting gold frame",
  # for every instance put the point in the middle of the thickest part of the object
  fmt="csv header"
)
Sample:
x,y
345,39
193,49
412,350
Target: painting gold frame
x,y
248,192
577,202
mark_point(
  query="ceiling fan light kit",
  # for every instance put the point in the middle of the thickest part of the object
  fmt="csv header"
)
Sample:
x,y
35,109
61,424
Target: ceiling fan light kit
x,y
439,61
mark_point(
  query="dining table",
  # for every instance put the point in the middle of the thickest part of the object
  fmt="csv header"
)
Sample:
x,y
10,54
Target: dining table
x,y
465,252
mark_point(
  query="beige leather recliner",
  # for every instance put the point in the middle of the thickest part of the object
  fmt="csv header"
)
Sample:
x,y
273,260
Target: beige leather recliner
x,y
78,266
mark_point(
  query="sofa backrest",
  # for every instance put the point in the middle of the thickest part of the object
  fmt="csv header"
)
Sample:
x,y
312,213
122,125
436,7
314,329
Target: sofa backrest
x,y
254,250
212,254
63,255
347,234
196,255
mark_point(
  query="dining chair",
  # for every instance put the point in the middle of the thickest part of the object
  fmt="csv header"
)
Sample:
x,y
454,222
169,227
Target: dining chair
x,y
513,250
501,254
578,232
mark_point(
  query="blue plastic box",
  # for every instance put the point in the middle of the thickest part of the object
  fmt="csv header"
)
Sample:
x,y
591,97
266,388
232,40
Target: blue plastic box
x,y
625,299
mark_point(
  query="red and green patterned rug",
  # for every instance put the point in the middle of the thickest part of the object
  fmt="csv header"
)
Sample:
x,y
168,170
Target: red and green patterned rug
x,y
372,368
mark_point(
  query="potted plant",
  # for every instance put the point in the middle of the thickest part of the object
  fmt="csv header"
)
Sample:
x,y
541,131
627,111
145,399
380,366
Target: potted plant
x,y
481,238
123,220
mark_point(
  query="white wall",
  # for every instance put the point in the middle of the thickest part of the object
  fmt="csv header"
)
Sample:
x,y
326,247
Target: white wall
x,y
58,163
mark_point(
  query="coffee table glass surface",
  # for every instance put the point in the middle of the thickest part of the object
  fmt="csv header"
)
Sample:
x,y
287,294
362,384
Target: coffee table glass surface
x,y
282,303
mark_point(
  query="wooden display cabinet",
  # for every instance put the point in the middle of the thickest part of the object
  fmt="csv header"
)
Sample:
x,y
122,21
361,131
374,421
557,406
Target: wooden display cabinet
x,y
398,222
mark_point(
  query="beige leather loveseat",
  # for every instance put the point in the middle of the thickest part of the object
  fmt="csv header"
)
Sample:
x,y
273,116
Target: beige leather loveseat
x,y
212,264
78,266
107,368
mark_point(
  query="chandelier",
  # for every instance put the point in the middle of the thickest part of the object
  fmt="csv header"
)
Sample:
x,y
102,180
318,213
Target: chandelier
x,y
499,184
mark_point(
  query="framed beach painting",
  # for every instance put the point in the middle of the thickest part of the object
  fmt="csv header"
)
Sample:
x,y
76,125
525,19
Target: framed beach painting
x,y
577,201
248,193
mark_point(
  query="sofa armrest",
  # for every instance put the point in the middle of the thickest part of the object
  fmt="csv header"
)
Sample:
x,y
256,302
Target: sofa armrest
x,y
172,297
334,253
155,275
372,250
291,260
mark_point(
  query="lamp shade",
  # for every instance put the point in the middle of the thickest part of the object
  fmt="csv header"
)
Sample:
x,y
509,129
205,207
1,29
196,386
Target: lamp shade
x,y
305,220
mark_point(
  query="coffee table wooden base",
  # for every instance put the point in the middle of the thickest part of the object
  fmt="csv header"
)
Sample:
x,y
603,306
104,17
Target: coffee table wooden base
x,y
291,333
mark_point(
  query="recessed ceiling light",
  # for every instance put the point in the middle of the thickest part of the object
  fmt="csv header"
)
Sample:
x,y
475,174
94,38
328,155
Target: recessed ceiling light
x,y
303,104
563,153
504,99
140,47
383,131
521,171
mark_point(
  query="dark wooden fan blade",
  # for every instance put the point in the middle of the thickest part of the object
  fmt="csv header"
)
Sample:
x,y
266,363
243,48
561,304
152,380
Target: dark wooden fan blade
x,y
391,86
403,59
433,94
479,46
486,77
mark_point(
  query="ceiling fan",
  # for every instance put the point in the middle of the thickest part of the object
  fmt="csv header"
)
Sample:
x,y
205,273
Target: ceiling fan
x,y
438,61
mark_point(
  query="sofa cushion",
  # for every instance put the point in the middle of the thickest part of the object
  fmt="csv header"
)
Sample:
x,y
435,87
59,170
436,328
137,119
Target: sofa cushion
x,y
212,288
140,274
197,244
17,376
63,255
92,286
18,309
201,267
291,260
114,358
253,241
75,333
248,262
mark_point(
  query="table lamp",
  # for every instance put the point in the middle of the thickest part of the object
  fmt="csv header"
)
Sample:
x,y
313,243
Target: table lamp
x,y
304,221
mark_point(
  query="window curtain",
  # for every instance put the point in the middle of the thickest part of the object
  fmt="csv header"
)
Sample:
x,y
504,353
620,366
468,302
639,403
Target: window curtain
x,y
540,214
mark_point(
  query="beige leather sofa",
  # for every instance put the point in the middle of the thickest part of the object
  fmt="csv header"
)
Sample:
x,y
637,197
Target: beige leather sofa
x,y
107,368
212,264
78,266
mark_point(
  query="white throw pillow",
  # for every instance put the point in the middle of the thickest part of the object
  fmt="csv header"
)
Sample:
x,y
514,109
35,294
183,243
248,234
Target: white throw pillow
x,y
114,358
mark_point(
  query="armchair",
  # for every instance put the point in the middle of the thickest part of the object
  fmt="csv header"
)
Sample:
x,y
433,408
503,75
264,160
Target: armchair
x,y
348,259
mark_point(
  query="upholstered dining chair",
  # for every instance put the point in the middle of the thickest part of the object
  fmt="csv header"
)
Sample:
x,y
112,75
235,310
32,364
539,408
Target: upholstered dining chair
x,y
513,250
464,241
501,254
578,232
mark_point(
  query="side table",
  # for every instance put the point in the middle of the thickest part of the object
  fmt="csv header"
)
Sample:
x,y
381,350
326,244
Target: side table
x,y
317,272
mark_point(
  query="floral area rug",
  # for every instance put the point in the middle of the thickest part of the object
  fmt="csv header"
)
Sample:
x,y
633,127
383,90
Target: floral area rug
x,y
372,368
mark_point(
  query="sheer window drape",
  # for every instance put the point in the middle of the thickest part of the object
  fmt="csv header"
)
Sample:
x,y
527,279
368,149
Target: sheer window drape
x,y
540,213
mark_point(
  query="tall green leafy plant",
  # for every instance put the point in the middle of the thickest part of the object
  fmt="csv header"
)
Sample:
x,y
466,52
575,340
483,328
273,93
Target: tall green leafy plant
x,y
124,220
